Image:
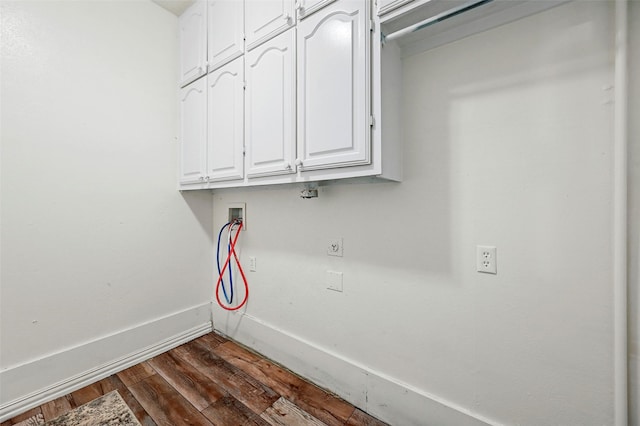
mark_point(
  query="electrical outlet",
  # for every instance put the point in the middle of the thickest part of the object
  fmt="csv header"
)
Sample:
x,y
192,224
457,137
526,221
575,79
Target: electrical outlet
x,y
486,259
252,263
335,247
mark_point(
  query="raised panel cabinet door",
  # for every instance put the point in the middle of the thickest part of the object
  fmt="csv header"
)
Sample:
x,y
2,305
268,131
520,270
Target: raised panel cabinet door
x,y
307,7
226,31
193,132
270,107
333,87
225,139
193,42
264,19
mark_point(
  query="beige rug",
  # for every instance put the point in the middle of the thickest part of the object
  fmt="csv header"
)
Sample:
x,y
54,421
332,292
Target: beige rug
x,y
32,421
108,410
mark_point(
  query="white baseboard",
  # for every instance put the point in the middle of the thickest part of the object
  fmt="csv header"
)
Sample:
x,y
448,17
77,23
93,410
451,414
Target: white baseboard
x,y
374,392
28,385
634,388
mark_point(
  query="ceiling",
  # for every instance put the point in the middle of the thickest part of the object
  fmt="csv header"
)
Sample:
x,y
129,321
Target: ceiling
x,y
174,6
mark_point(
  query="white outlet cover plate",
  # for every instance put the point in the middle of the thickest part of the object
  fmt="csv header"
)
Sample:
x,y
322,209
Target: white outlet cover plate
x,y
334,281
334,248
486,259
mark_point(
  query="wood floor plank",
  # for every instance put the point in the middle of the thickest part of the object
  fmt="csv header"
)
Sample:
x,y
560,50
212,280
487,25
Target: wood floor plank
x,y
323,405
237,383
211,340
55,408
186,379
24,416
230,411
285,413
319,403
112,383
256,421
134,374
87,394
165,405
360,418
270,374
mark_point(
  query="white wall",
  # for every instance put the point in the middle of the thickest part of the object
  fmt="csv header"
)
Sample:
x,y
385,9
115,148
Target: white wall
x,y
508,142
101,256
634,213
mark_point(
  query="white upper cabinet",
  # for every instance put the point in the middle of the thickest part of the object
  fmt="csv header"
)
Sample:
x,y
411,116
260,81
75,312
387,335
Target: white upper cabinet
x,y
291,92
225,140
307,7
264,19
270,107
226,31
385,6
333,87
193,132
193,42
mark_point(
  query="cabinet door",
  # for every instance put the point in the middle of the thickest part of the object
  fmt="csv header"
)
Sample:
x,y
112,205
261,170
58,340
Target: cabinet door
x,y
270,112
264,19
307,7
333,87
226,31
225,148
193,132
193,42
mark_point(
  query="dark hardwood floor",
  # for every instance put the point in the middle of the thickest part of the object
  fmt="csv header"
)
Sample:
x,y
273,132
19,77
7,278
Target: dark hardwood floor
x,y
213,381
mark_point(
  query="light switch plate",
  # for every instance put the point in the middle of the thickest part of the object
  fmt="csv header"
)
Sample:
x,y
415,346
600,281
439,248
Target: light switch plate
x,y
334,281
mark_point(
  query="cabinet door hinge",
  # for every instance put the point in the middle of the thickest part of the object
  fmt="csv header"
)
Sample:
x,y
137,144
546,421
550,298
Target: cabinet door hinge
x,y
372,121
244,85
372,25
